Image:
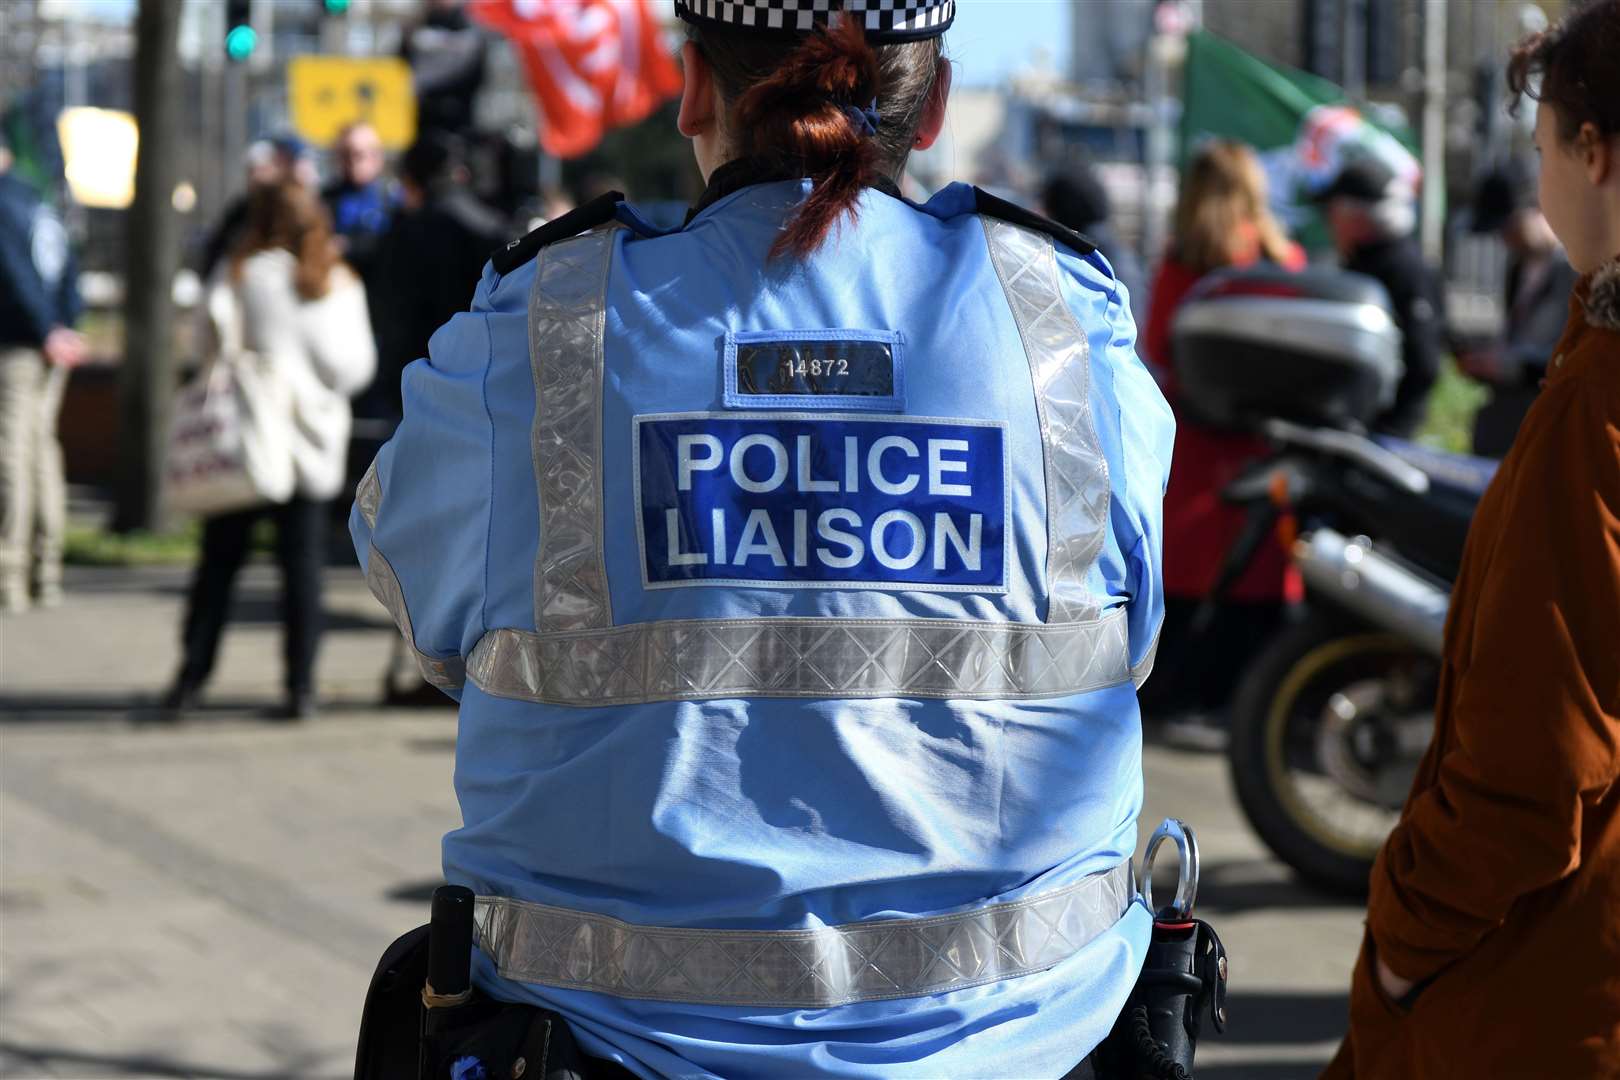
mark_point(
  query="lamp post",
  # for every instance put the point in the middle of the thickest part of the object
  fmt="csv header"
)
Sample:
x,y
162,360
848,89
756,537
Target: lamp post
x,y
151,256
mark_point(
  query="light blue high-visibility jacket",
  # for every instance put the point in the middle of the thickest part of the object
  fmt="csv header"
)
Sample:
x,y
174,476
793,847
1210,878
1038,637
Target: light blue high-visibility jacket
x,y
796,611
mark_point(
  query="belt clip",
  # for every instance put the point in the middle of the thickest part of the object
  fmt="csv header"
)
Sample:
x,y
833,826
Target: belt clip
x,y
1186,841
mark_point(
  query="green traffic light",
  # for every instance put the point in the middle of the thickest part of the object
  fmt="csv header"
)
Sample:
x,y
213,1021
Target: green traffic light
x,y
240,42
336,7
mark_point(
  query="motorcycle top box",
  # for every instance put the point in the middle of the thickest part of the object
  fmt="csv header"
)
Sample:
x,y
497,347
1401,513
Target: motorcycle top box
x,y
1317,347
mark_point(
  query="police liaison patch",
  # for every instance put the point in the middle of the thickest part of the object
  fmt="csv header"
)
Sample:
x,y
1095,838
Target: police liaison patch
x,y
821,500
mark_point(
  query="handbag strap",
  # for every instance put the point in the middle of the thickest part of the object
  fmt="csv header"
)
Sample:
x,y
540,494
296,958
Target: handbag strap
x,y
226,315
222,307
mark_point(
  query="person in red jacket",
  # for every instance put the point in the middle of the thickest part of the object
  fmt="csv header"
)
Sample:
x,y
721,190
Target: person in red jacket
x,y
1222,220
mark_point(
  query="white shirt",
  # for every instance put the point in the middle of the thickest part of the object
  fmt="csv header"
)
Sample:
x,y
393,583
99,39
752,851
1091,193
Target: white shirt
x,y
321,352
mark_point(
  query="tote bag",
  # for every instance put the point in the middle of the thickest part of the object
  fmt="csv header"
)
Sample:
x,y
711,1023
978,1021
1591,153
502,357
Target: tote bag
x,y
230,445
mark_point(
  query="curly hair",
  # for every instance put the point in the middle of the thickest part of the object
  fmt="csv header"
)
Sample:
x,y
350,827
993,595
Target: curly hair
x,y
1574,66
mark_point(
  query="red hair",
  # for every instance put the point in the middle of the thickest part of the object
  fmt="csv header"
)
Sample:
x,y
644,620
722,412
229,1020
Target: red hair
x,y
796,108
797,114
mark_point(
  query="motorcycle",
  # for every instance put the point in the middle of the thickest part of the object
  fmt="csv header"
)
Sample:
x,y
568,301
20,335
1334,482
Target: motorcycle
x,y
1332,717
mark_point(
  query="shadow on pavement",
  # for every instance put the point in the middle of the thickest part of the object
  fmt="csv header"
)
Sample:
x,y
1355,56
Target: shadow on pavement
x,y
414,892
1271,1070
175,579
262,607
1279,1019
1248,884
57,1058
142,711
1286,1018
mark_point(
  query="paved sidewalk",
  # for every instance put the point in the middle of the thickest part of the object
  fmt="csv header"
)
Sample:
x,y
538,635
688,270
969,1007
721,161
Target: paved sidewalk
x,y
204,900
209,900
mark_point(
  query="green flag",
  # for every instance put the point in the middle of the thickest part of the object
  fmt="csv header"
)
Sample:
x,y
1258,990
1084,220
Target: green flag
x,y
1300,124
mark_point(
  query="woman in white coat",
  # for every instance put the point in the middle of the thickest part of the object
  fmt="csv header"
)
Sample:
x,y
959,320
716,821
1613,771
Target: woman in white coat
x,y
296,304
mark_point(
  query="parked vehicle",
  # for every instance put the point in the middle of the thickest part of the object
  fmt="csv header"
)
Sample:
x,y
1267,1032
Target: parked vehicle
x,y
1330,721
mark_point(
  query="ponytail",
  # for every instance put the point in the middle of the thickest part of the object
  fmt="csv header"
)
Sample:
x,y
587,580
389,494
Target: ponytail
x,y
829,107
803,117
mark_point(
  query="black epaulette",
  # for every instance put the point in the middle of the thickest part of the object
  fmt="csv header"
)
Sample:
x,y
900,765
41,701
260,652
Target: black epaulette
x,y
990,206
599,211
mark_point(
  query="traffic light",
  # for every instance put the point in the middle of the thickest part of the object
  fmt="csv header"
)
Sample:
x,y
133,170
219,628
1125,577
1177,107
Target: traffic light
x,y
335,7
240,37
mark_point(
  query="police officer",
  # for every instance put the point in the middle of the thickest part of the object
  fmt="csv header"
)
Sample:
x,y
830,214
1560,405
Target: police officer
x,y
795,570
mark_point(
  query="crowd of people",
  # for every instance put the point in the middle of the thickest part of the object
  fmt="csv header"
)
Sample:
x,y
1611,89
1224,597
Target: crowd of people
x,y
344,284
971,787
1223,221
412,240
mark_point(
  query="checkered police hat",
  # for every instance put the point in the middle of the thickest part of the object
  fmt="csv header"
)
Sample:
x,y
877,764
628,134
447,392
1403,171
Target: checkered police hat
x,y
886,21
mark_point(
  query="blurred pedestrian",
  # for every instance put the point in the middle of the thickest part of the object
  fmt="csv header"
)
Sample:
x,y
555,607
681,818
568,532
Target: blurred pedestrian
x,y
267,162
1373,217
1492,946
432,257
1076,197
297,306
361,201
429,265
1222,220
1535,304
446,51
39,303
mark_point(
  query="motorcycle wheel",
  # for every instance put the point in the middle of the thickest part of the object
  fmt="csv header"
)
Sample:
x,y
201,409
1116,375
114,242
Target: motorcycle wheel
x,y
1328,727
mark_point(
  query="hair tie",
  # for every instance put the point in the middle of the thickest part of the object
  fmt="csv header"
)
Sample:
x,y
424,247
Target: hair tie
x,y
866,119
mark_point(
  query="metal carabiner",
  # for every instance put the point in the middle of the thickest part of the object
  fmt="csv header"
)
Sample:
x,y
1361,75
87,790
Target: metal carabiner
x,y
1187,885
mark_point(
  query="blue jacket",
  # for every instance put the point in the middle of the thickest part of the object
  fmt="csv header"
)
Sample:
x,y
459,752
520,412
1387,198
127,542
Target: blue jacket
x,y
39,281
795,611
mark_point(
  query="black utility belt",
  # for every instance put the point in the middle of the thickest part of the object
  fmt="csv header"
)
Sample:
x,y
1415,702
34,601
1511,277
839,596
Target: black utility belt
x,y
424,1019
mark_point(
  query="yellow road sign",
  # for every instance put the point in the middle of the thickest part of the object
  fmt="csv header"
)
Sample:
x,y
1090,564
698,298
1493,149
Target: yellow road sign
x,y
328,93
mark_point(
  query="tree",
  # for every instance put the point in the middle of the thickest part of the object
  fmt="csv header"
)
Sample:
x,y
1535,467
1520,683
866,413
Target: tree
x,y
151,256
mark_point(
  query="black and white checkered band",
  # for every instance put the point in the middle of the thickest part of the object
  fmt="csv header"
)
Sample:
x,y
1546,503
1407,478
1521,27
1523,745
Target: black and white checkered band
x,y
885,20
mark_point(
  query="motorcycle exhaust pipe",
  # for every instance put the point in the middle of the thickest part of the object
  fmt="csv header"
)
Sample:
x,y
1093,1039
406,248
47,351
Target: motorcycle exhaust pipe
x,y
1374,585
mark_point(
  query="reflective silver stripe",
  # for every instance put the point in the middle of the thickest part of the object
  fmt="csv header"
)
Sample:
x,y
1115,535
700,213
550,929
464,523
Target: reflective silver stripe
x,y
1060,363
848,658
368,496
800,969
1143,668
447,674
567,309
577,657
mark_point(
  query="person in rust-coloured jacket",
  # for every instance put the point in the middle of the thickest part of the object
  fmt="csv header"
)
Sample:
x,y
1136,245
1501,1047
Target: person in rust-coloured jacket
x,y
1493,926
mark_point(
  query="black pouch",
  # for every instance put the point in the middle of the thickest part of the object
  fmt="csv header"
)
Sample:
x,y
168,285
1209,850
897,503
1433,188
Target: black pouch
x,y
409,1032
1183,977
479,1039
391,1022
485,1039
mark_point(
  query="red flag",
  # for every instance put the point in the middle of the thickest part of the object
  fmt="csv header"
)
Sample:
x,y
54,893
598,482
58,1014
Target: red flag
x,y
593,64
